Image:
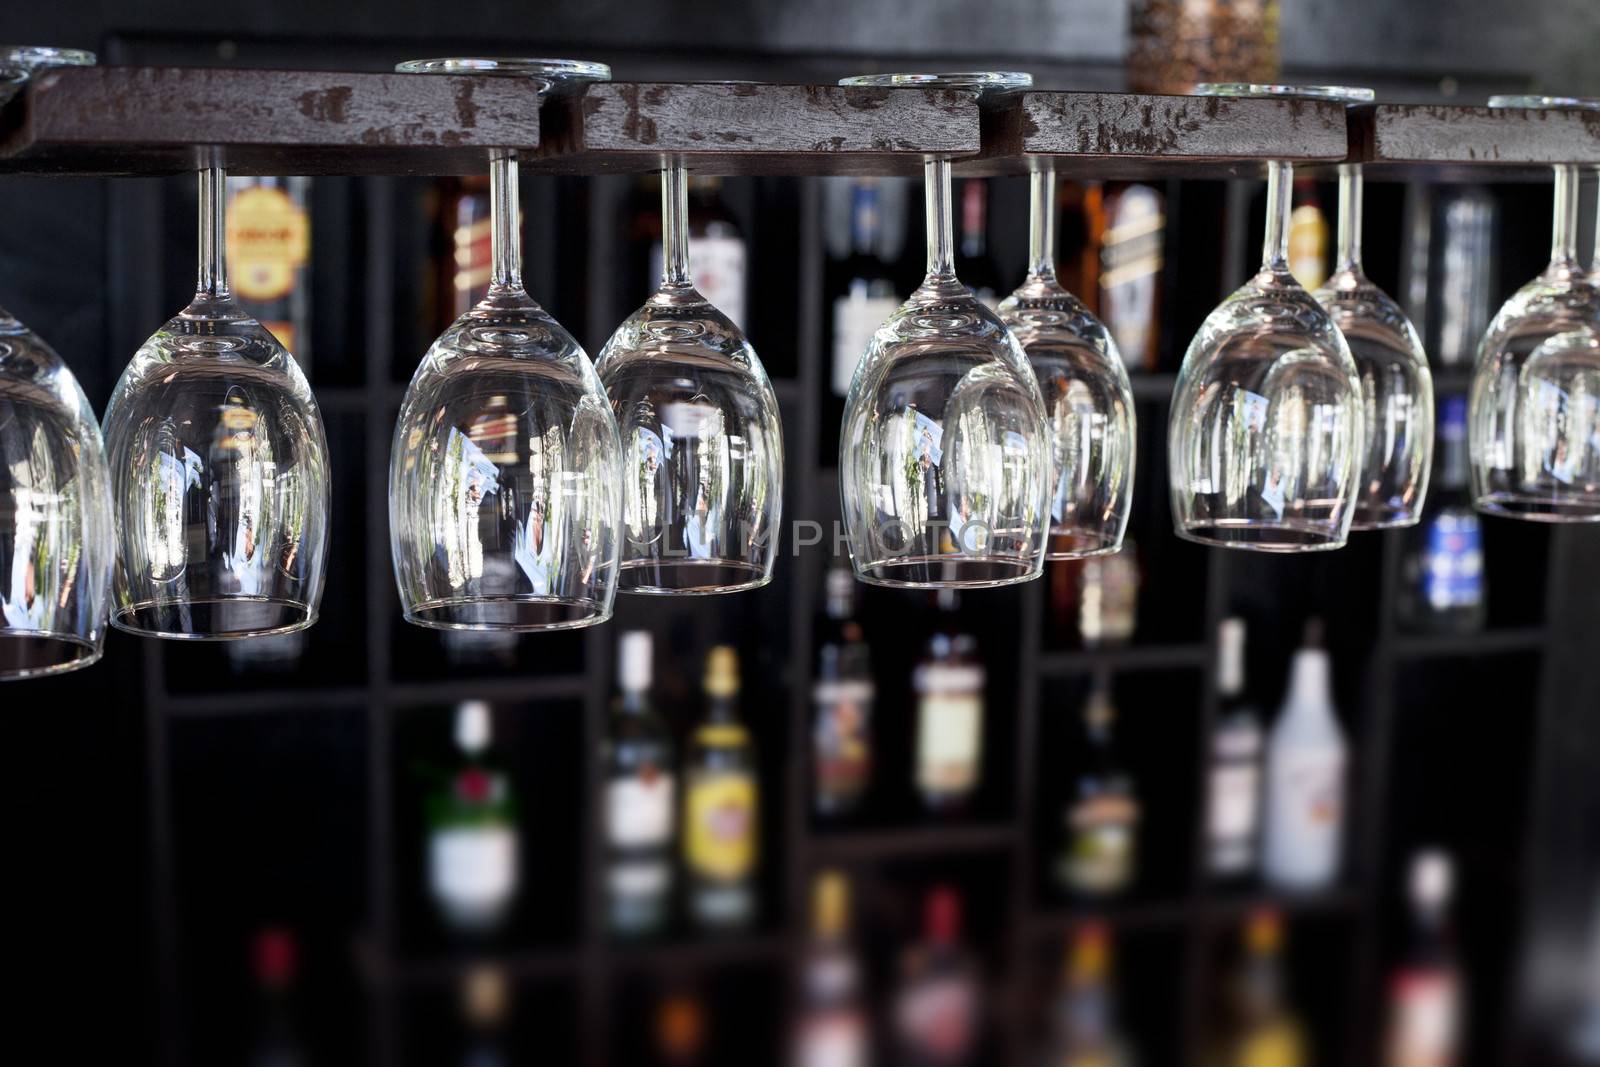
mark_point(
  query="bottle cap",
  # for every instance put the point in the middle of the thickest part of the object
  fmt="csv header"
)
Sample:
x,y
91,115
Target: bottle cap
x,y
634,651
484,996
1309,680
722,672
472,726
1263,932
1091,948
1230,657
830,904
276,957
1432,878
941,915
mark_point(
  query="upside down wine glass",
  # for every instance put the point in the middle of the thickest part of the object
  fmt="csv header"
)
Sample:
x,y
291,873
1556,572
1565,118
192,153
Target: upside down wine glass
x,y
702,443
1396,385
505,499
219,469
1087,397
56,541
1534,412
1265,436
944,451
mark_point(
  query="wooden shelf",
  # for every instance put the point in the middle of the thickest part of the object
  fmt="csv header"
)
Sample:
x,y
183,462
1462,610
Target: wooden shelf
x,y
1471,143
1508,641
1122,659
840,846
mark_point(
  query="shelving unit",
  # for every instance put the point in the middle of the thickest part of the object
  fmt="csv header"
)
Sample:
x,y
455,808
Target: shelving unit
x,y
147,122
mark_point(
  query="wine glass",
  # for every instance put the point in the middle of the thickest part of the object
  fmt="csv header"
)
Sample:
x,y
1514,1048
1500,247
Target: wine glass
x,y
1088,400
702,482
1265,436
944,447
1396,385
1534,409
505,476
219,469
55,496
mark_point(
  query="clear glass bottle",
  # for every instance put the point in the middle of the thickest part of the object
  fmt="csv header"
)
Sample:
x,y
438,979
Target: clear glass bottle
x,y
1233,783
473,853
1100,846
721,808
842,699
1304,830
640,799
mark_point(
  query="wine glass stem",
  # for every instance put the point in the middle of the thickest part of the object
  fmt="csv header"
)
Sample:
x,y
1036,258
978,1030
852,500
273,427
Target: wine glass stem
x,y
1564,229
1280,197
675,227
1042,223
505,223
936,194
213,275
1350,192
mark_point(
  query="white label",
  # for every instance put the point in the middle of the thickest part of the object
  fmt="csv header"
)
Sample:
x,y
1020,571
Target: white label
x,y
473,869
639,879
834,1040
1424,1033
1234,801
948,740
1306,813
856,318
639,809
717,268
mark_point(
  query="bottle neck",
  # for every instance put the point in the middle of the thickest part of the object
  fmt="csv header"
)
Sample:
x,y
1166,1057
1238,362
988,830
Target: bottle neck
x,y
505,225
1280,200
1042,224
936,196
1350,195
212,280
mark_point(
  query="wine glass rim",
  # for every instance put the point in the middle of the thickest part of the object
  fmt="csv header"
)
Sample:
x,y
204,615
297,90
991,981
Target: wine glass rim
x,y
983,80
1538,102
19,61
554,72
1342,94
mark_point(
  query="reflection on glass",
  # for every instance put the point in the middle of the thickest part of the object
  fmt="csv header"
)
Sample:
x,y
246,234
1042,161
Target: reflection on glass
x,y
505,493
219,469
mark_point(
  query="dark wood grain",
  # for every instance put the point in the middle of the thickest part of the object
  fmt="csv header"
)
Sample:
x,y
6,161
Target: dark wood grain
x,y
1465,143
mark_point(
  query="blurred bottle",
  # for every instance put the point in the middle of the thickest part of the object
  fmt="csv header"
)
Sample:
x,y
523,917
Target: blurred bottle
x,y
464,256
974,265
720,805
474,648
1308,236
640,797
473,863
1259,1029
275,961
833,1028
1233,782
1461,282
485,1003
1099,854
717,254
1444,588
1108,597
271,654
949,682
842,698
1084,1031
269,247
681,1029
861,286
1131,254
1425,989
1173,45
937,1004
1305,777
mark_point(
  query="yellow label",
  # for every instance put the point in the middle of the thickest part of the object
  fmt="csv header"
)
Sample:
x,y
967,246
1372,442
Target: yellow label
x,y
1276,1046
721,825
269,238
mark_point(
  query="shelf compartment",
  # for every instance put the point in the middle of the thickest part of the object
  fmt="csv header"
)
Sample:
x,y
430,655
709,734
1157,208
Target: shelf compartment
x,y
1120,659
1504,641
1449,143
930,841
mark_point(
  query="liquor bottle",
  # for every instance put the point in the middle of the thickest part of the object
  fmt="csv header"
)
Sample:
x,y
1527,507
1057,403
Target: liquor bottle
x,y
1131,253
843,699
974,265
937,1005
640,797
716,250
680,1027
269,246
1259,1028
720,805
1443,569
1461,277
275,962
484,1010
862,286
1305,777
1425,989
1308,237
1233,782
465,256
1084,1025
1100,846
473,862
833,1028
1108,597
949,682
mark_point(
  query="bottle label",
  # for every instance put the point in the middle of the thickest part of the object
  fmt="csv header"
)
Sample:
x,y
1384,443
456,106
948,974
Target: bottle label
x,y
1235,800
1306,814
949,736
717,269
269,238
1423,1033
639,879
938,1018
843,746
856,318
1452,563
473,869
1103,844
639,809
837,1039
1130,267
721,825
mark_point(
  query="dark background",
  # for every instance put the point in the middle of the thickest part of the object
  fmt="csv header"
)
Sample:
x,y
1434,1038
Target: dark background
x,y
166,805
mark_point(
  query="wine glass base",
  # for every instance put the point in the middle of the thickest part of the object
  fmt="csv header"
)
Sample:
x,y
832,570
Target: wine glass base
x,y
1079,544
518,614
231,618
1538,508
1384,518
40,653
948,572
1256,537
689,577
